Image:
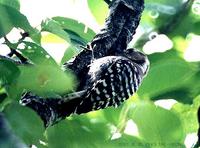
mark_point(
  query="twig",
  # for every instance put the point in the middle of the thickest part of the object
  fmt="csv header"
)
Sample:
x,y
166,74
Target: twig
x,y
24,35
14,52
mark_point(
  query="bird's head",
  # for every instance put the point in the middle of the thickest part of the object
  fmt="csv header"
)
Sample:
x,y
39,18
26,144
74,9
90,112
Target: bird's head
x,y
139,58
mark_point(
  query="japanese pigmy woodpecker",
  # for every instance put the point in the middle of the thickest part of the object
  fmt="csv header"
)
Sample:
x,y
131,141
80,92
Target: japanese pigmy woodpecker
x,y
108,73
110,81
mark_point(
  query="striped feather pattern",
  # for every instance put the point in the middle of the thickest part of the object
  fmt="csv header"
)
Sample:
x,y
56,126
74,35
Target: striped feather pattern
x,y
117,82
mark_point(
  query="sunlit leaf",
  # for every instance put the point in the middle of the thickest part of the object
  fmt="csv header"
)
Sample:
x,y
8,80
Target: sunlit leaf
x,y
52,38
44,79
69,53
76,30
112,115
66,133
165,76
55,28
157,125
188,115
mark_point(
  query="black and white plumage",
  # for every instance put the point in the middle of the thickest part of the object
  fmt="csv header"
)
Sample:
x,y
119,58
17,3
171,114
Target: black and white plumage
x,y
111,80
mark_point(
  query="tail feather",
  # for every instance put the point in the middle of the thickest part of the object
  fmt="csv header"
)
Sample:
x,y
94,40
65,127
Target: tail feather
x,y
52,110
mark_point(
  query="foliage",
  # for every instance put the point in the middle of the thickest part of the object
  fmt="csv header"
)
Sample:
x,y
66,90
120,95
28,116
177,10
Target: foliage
x,y
170,77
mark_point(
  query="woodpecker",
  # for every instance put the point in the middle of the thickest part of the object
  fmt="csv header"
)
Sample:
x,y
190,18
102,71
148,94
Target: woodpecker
x,y
108,72
110,81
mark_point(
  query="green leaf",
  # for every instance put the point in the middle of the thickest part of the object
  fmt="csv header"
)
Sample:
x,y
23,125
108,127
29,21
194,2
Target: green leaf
x,y
182,92
9,71
55,28
189,24
75,38
7,138
35,53
183,95
112,115
14,92
169,55
79,30
165,76
188,115
25,123
195,83
76,133
99,9
44,79
127,141
10,18
70,52
5,21
11,3
157,125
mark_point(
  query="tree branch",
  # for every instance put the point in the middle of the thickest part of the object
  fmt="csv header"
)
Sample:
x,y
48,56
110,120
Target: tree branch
x,y
120,26
14,51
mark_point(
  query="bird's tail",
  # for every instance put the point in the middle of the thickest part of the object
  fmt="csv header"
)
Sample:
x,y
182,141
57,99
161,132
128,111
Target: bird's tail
x,y
52,110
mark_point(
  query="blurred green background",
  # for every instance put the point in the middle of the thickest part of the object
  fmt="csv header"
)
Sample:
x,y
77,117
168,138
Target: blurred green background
x,y
163,113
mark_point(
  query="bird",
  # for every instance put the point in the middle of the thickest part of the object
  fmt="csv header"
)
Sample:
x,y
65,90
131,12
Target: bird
x,y
110,81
